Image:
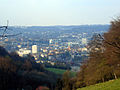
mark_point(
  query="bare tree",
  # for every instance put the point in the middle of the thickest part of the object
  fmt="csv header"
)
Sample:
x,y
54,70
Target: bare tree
x,y
5,28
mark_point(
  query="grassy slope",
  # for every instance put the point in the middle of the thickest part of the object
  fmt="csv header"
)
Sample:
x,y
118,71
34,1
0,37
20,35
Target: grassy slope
x,y
110,85
60,71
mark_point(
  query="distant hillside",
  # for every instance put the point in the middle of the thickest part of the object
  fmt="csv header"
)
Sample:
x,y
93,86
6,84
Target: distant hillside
x,y
54,31
74,28
110,85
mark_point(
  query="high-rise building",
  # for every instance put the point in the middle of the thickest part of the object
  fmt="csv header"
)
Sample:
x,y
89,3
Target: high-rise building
x,y
84,41
34,49
50,41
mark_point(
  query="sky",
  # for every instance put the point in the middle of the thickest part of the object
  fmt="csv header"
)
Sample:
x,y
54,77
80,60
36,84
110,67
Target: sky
x,y
58,12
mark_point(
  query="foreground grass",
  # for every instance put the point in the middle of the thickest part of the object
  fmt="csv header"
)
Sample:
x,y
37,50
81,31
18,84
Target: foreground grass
x,y
60,71
110,85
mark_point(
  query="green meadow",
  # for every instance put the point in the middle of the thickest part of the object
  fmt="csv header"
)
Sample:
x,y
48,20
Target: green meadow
x,y
109,85
60,71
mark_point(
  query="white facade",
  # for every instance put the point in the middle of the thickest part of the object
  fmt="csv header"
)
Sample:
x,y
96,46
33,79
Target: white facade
x,y
84,41
23,51
34,49
50,41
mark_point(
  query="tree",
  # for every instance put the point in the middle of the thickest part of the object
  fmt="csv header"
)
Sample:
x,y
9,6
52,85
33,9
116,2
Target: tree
x,y
112,45
66,80
103,63
59,84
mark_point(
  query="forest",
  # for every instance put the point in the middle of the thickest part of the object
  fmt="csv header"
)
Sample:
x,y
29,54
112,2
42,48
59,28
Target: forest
x,y
17,73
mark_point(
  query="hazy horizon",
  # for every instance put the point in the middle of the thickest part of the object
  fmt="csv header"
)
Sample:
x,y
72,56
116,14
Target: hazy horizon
x,y
58,12
54,25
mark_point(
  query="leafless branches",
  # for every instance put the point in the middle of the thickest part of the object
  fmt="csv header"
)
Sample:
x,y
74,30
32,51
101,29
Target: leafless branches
x,y
5,28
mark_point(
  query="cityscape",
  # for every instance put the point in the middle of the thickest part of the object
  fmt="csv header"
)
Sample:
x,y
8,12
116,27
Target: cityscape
x,y
59,44
66,45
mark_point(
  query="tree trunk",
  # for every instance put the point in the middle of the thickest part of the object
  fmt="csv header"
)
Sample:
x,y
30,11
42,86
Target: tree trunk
x,y
103,79
115,76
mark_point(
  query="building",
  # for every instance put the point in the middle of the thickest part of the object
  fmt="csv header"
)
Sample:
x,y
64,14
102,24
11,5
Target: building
x,y
84,41
69,44
50,41
23,52
34,49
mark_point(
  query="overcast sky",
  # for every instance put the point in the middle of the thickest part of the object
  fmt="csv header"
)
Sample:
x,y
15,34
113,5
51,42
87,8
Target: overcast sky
x,y
58,12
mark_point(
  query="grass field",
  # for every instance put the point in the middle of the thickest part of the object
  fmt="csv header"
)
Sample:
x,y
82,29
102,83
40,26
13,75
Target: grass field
x,y
110,85
60,71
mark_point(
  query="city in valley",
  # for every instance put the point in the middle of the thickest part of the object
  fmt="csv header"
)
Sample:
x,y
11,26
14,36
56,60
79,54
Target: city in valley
x,y
62,47
59,44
